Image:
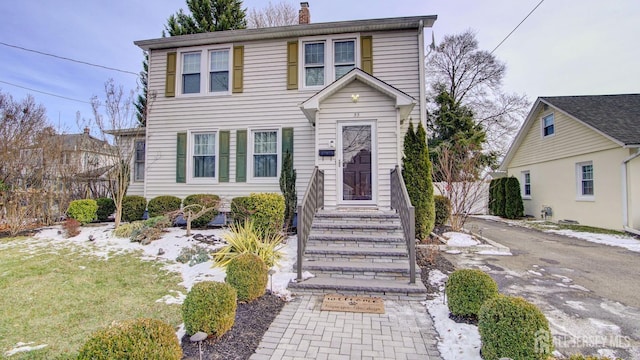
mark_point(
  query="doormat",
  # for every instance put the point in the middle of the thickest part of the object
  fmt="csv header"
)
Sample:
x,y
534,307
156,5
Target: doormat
x,y
359,304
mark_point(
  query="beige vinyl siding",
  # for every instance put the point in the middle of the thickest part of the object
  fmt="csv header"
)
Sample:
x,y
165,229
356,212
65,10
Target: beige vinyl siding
x,y
372,106
554,184
633,194
571,138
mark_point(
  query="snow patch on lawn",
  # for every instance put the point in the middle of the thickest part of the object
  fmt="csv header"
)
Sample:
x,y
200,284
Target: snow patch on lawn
x,y
24,347
626,242
460,239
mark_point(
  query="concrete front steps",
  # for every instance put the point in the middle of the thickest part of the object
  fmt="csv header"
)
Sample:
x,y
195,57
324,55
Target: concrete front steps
x,y
358,253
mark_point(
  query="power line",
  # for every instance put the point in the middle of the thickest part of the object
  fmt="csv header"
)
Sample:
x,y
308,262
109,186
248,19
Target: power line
x,y
44,92
517,26
68,59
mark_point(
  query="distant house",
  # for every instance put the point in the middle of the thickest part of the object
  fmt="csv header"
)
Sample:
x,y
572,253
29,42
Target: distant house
x,y
578,158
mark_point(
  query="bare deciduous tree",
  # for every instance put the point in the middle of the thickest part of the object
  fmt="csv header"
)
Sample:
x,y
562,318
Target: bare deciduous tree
x,y
279,14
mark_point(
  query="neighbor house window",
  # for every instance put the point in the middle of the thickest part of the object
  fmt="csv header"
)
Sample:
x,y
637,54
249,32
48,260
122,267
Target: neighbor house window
x,y
585,180
138,171
314,64
548,125
204,155
344,57
191,73
219,71
265,154
526,181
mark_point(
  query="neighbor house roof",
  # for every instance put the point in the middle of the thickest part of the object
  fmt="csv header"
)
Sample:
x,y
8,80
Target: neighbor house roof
x,y
617,117
280,32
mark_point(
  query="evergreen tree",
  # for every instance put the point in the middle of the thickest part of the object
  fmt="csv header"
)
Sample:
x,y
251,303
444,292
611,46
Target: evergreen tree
x,y
141,100
513,207
416,172
207,16
288,188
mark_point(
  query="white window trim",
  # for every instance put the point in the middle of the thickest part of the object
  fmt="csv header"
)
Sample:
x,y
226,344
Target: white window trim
x,y
329,66
250,147
579,195
542,125
209,180
144,162
524,177
205,59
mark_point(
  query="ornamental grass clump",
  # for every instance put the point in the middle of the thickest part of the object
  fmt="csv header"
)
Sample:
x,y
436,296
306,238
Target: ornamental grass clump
x,y
244,238
511,327
210,307
467,290
248,274
133,339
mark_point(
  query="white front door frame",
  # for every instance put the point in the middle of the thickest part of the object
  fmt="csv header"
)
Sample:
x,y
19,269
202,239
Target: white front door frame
x,y
340,163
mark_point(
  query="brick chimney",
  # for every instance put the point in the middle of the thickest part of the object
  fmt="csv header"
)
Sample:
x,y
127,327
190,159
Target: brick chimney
x,y
87,130
304,17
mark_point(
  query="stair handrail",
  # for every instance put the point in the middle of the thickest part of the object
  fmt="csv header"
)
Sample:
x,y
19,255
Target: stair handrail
x,y
401,203
312,201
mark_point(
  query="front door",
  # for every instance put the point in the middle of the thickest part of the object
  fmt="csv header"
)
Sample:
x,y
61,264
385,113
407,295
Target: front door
x,y
356,163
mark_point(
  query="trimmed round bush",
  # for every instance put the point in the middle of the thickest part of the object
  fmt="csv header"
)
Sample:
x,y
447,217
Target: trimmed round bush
x,y
206,200
265,210
133,208
160,205
210,307
443,209
248,274
467,290
514,328
83,210
106,207
133,339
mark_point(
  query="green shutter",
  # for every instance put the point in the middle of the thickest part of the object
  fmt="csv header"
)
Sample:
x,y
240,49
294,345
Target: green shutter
x,y
181,158
292,65
366,51
170,81
241,155
287,141
238,67
224,156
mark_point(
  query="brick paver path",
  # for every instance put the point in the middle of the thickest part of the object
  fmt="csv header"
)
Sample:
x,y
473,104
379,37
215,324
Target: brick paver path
x,y
302,331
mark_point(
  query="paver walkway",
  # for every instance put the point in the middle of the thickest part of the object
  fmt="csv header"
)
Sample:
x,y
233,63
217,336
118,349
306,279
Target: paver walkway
x,y
302,331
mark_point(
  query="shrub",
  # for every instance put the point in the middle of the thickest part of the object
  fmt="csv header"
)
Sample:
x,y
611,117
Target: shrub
x,y
209,307
161,205
288,188
467,290
498,197
71,228
493,185
126,230
206,200
193,255
512,327
160,222
443,209
133,208
83,210
106,207
513,207
248,274
241,209
242,239
133,339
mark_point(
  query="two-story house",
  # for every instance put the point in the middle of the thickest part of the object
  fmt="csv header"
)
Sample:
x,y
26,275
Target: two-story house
x,y
226,106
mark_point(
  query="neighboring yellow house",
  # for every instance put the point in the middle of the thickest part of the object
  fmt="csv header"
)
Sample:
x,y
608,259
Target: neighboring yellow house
x,y
578,158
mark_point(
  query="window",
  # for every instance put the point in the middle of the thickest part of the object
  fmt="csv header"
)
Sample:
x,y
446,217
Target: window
x,y
219,71
585,185
526,181
265,154
344,57
203,162
191,73
314,64
547,125
138,171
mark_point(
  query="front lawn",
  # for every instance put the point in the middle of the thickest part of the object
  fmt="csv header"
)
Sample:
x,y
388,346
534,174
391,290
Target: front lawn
x,y
57,294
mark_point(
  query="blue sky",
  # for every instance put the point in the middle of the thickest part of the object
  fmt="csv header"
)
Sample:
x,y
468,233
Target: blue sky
x,y
566,47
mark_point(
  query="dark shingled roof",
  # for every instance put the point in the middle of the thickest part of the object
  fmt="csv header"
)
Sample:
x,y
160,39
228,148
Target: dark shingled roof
x,y
617,116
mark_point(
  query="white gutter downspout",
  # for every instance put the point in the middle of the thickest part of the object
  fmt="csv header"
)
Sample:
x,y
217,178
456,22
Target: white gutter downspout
x,y
421,55
625,200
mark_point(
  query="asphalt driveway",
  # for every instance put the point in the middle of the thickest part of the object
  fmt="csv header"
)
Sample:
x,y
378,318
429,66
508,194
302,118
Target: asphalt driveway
x,y
589,292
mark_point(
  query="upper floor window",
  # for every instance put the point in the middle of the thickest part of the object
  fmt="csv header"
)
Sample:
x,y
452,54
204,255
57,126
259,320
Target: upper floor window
x,y
138,171
344,57
191,73
326,60
314,64
548,125
526,182
219,71
206,71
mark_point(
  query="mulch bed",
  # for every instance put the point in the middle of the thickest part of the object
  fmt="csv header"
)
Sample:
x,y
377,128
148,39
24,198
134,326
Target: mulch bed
x,y
252,321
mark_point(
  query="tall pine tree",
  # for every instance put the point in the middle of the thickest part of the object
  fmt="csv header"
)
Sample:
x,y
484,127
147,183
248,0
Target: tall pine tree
x,y
207,16
141,100
416,172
